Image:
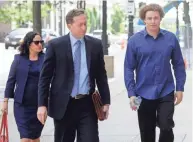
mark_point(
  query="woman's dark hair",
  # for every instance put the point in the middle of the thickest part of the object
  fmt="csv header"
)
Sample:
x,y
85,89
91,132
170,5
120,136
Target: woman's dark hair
x,y
28,39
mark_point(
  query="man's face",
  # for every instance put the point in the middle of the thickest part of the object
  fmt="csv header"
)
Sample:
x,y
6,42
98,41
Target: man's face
x,y
79,26
152,20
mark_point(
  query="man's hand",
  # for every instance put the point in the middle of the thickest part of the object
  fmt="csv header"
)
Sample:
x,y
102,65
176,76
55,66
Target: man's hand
x,y
132,103
42,114
106,110
178,97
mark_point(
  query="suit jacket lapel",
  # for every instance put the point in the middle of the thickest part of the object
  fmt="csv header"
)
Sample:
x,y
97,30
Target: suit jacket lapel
x,y
88,52
69,54
26,63
40,61
41,58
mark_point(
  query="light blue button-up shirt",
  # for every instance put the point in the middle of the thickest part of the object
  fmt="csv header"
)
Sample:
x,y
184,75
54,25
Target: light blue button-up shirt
x,y
84,85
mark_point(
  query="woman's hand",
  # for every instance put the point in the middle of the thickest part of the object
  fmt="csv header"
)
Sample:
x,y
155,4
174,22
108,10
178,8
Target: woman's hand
x,y
5,106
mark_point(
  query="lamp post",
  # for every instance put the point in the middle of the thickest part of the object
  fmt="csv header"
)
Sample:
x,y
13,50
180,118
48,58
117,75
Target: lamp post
x,y
99,15
59,5
60,18
81,4
104,28
187,33
188,29
37,24
131,11
177,21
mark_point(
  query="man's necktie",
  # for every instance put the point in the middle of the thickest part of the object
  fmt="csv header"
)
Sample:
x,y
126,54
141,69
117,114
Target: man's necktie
x,y
77,65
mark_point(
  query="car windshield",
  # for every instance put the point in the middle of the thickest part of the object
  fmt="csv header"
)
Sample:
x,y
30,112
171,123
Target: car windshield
x,y
19,31
97,33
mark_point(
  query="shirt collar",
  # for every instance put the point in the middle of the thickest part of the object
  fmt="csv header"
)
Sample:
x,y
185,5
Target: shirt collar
x,y
73,40
161,32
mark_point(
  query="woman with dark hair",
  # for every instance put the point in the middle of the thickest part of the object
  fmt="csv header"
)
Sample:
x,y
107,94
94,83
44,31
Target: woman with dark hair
x,y
22,85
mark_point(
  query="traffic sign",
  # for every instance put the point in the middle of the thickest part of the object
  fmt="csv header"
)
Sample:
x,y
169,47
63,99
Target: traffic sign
x,y
131,7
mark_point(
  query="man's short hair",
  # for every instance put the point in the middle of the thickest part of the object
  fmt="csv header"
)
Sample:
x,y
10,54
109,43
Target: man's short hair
x,y
151,7
73,13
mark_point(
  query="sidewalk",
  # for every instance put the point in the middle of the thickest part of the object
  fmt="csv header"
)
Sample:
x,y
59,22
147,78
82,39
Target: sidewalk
x,y
122,123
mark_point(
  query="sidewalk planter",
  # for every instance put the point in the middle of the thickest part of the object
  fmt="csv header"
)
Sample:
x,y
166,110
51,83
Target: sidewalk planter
x,y
109,65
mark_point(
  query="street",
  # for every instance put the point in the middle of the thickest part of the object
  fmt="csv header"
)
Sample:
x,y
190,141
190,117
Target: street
x,y
122,123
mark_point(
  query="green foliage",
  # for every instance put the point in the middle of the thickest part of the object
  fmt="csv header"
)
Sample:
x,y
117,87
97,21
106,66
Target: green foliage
x,y
92,19
45,8
21,12
89,15
117,19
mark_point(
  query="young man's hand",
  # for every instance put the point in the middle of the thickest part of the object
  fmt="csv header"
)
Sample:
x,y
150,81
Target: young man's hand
x,y
178,97
132,103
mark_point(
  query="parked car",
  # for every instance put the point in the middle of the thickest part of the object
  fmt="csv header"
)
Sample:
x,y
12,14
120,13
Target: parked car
x,y
15,37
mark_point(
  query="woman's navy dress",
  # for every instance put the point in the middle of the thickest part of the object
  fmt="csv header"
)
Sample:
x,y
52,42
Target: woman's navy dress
x,y
26,113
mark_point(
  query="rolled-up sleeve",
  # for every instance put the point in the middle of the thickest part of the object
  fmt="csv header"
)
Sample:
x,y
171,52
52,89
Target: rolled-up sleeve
x,y
129,67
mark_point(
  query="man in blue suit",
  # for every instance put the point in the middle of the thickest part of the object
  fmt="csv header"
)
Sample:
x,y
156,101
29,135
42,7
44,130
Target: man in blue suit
x,y
72,65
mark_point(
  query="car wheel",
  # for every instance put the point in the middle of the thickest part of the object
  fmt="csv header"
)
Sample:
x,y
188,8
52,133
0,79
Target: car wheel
x,y
6,46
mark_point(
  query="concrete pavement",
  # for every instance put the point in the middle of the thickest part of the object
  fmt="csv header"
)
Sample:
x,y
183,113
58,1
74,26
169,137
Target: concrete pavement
x,y
122,123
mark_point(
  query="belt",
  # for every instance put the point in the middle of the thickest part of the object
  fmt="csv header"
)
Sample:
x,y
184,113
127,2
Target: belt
x,y
80,96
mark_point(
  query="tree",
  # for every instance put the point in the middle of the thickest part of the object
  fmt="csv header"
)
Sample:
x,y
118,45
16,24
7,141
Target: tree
x,y
89,15
92,19
117,19
20,12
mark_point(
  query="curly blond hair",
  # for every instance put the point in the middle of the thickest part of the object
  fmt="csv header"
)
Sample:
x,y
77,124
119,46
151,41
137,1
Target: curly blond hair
x,y
150,7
